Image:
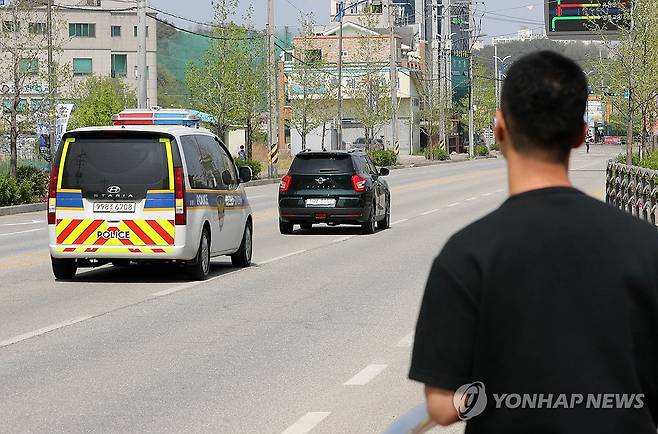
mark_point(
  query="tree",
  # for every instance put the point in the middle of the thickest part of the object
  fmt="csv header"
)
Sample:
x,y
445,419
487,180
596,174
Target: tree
x,y
370,89
631,69
100,98
23,44
484,90
226,82
309,89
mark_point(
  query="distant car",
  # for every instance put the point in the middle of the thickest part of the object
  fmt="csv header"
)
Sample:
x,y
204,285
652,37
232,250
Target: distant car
x,y
337,187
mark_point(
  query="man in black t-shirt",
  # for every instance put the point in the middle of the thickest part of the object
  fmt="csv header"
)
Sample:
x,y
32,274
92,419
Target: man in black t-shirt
x,y
542,317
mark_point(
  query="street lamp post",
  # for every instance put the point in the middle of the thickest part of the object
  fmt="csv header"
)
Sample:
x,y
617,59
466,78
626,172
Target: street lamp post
x,y
497,74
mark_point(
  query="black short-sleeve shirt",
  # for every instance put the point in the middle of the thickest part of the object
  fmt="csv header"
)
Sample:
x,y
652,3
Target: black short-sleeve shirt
x,y
553,293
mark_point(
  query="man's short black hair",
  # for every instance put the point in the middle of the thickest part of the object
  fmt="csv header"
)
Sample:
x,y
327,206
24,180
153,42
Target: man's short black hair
x,y
543,100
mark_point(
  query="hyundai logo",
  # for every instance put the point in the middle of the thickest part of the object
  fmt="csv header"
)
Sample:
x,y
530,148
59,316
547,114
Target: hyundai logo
x,y
113,189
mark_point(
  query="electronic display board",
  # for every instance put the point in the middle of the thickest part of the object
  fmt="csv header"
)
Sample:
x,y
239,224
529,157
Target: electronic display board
x,y
573,19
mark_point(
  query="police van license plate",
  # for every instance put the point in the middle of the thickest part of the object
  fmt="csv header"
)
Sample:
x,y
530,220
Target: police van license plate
x,y
321,203
114,206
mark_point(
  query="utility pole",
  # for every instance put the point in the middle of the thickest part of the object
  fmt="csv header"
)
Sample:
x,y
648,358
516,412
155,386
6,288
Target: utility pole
x,y
471,81
394,79
444,92
142,101
339,120
271,81
52,109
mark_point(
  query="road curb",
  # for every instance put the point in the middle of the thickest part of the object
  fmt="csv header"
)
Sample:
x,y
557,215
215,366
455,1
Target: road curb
x,y
22,209
257,182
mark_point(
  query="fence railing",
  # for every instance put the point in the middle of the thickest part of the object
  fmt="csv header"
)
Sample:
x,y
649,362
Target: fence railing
x,y
415,421
632,189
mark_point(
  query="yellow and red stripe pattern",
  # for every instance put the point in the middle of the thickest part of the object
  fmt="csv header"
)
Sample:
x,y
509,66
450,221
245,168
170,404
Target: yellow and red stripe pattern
x,y
89,235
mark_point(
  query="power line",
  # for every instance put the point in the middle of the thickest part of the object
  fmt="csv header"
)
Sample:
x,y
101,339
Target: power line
x,y
209,36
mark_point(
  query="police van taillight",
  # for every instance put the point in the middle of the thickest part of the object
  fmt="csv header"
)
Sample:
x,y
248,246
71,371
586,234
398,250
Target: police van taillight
x,y
179,193
52,194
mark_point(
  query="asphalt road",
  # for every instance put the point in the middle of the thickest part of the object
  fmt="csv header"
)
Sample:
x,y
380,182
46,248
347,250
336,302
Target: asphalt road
x,y
314,338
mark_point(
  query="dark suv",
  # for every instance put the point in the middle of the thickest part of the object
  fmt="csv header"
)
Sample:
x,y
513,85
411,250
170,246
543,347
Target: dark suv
x,y
336,187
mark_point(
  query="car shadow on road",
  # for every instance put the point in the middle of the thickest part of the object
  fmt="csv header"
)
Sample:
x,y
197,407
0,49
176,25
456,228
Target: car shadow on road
x,y
330,230
146,273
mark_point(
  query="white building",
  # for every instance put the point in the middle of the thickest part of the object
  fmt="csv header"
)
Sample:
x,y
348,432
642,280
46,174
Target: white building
x,y
521,35
97,37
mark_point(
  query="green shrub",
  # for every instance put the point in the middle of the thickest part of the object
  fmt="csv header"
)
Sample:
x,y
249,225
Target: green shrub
x,y
436,153
13,192
495,147
256,166
650,162
38,179
621,158
481,151
381,158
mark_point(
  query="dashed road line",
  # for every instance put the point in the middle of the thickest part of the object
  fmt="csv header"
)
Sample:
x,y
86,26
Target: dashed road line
x,y
33,222
22,232
307,422
43,331
485,194
341,239
452,204
406,341
365,375
278,258
432,211
472,198
500,190
399,221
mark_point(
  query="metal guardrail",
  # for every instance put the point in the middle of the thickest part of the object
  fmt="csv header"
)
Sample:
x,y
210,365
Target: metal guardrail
x,y
415,421
632,189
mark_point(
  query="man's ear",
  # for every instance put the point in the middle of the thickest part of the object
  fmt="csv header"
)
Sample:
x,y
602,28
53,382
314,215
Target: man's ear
x,y
581,136
500,132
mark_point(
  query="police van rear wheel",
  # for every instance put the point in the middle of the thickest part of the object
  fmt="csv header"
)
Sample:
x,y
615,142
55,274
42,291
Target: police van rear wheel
x,y
199,267
242,258
64,268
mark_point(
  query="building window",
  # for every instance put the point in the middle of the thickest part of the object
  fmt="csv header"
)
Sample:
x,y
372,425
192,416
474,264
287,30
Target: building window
x,y
37,28
135,31
115,31
314,55
82,30
28,66
119,65
10,26
82,66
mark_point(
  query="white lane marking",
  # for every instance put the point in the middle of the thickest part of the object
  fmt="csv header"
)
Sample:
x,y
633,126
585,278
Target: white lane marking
x,y
341,239
472,198
278,258
485,194
22,232
43,331
429,212
366,374
33,222
406,341
193,284
399,221
255,197
500,190
453,204
307,422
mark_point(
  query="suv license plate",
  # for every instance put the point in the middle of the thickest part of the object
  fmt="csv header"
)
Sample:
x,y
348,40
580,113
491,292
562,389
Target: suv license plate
x,y
320,203
114,207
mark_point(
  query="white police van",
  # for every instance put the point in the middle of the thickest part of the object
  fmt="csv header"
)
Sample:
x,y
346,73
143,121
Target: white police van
x,y
153,187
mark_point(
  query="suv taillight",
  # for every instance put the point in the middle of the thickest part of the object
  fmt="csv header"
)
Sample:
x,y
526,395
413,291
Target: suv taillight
x,y
284,185
52,194
358,183
179,194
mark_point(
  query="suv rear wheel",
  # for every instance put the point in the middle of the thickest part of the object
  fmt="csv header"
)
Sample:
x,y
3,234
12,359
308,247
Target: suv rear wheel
x,y
199,267
369,227
285,227
385,223
64,268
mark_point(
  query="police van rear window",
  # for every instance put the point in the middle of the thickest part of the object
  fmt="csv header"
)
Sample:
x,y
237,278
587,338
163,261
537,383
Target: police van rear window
x,y
133,164
322,163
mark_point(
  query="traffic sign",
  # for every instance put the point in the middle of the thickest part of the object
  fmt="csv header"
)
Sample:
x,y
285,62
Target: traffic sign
x,y
578,19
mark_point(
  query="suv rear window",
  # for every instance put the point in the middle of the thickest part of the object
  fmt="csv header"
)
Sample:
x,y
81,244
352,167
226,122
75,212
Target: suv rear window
x,y
135,164
319,163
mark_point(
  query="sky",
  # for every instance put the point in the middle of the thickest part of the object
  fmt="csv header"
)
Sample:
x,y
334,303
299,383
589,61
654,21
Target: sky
x,y
501,17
